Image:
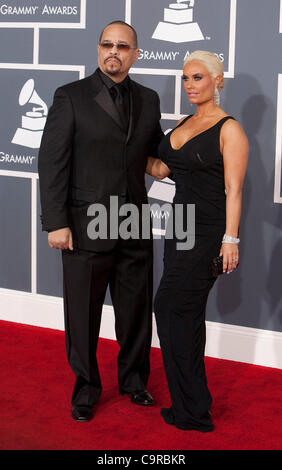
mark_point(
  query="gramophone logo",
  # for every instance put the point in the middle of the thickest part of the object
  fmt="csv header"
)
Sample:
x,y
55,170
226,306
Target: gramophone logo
x,y
33,122
178,25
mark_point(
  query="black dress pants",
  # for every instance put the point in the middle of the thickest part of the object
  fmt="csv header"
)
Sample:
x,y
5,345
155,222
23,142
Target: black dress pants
x,y
127,269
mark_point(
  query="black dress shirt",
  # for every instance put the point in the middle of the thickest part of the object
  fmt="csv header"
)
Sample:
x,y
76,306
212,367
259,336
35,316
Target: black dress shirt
x,y
114,89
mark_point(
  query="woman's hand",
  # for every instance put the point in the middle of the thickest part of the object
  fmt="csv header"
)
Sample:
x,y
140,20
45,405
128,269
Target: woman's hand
x,y
230,254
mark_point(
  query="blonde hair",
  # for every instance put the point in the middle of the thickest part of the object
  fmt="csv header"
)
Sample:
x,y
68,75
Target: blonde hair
x,y
210,61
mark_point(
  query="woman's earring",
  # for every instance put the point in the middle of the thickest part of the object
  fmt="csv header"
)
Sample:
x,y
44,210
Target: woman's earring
x,y
216,96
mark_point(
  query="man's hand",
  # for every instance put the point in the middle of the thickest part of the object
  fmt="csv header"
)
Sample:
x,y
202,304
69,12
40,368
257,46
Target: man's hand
x,y
61,239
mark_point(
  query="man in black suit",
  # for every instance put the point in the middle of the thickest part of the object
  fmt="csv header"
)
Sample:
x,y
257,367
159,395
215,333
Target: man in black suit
x,y
99,132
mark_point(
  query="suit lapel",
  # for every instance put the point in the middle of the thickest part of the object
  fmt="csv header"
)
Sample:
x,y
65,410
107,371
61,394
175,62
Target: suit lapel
x,y
103,98
105,101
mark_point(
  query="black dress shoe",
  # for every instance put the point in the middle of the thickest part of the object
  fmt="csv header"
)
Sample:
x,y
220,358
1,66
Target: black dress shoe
x,y
82,413
140,397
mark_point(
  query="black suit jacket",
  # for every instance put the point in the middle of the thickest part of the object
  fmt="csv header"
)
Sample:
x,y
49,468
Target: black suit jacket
x,y
86,156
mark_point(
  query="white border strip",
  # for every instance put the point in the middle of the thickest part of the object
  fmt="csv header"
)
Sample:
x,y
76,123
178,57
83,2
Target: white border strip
x,y
52,67
236,343
18,174
33,240
127,11
36,45
232,40
278,151
242,344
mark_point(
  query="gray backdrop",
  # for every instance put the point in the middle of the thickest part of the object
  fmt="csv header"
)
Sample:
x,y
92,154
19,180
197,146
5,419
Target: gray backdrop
x,y
44,44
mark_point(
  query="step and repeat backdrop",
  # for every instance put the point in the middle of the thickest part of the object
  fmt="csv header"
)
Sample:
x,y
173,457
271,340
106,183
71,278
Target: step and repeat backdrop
x,y
47,43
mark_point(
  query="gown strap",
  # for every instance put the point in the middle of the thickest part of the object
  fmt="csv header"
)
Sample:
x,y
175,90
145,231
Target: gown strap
x,y
223,120
219,123
184,120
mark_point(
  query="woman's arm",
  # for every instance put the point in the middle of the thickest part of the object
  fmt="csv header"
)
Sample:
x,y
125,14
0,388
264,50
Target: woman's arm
x,y
235,149
155,167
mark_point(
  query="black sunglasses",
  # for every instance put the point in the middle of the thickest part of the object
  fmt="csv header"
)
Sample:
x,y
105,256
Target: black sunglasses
x,y
120,46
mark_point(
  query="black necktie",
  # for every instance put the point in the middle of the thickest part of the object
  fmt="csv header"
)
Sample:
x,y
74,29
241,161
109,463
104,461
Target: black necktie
x,y
119,95
120,104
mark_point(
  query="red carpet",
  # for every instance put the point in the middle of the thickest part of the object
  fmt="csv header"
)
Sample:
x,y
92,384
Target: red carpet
x,y
36,386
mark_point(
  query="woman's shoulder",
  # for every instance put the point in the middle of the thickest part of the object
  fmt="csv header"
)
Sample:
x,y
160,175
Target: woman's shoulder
x,y
230,122
232,129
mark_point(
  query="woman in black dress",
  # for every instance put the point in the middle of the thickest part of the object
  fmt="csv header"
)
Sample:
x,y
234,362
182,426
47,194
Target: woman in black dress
x,y
207,153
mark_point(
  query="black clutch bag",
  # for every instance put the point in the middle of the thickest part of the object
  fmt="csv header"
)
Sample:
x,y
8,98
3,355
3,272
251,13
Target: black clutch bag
x,y
217,266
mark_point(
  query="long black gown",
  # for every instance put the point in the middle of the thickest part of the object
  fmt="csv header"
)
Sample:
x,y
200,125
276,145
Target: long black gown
x,y
187,278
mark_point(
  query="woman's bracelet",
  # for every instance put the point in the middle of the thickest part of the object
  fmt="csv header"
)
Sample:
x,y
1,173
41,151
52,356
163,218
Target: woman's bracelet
x,y
229,239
